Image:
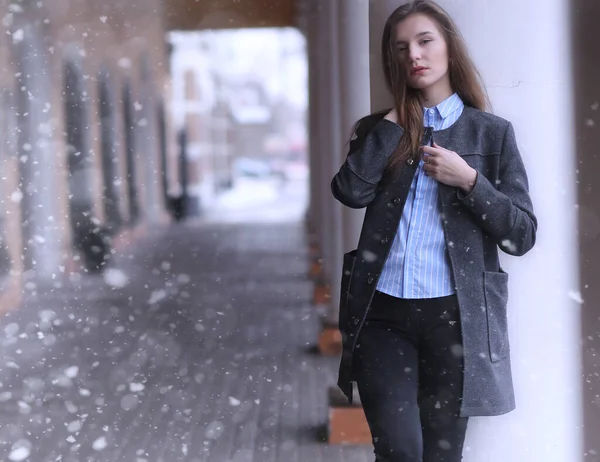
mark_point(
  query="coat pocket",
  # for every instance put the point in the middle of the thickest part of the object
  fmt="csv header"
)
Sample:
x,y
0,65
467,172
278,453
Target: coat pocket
x,y
347,269
496,301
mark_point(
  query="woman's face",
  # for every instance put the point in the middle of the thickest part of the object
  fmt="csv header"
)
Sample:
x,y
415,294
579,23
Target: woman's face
x,y
423,51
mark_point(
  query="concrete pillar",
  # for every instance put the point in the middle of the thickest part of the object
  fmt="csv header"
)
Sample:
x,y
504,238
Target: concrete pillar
x,y
530,86
320,125
149,131
333,140
585,49
194,130
323,70
348,100
42,197
347,424
313,108
305,21
353,93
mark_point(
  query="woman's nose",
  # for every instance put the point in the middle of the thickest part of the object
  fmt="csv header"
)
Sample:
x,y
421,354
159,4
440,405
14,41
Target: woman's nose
x,y
415,54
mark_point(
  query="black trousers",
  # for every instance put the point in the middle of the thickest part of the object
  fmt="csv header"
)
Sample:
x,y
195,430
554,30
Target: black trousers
x,y
408,368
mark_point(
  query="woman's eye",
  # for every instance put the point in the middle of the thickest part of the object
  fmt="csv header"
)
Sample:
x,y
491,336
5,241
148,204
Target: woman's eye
x,y
423,42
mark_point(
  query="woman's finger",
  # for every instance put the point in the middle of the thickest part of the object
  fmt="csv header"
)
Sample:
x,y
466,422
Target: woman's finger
x,y
428,168
431,150
429,159
437,146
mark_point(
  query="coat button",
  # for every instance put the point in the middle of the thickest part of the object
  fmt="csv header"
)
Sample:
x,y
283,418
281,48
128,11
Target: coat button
x,y
396,200
370,280
384,240
410,161
356,321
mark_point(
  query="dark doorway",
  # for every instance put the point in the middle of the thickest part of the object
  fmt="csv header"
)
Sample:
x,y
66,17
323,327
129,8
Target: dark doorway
x,y
130,154
110,158
162,135
88,237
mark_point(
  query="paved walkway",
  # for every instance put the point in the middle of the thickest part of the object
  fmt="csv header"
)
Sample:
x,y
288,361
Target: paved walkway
x,y
196,349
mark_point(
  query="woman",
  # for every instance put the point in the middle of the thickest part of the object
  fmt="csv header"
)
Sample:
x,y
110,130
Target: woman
x,y
423,313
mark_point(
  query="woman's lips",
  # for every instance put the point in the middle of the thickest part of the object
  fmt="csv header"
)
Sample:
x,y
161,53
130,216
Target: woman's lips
x,y
418,70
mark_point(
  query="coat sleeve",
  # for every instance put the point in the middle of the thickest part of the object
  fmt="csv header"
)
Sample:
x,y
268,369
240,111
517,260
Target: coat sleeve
x,y
505,212
355,184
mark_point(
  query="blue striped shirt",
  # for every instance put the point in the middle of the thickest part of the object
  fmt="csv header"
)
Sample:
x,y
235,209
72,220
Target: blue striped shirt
x,y
418,265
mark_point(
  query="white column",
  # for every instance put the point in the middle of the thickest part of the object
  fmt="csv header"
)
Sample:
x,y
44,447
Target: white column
x,y
353,93
46,233
530,86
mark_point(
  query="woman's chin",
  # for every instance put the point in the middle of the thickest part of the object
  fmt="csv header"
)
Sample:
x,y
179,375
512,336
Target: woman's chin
x,y
420,84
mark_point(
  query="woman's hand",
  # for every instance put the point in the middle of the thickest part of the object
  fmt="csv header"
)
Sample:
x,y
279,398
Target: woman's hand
x,y
448,167
392,116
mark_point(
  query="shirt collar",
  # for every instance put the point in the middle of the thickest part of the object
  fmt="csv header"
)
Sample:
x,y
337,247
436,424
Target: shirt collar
x,y
449,105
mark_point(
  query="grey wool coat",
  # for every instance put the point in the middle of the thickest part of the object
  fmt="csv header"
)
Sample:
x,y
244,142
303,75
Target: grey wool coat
x,y
498,213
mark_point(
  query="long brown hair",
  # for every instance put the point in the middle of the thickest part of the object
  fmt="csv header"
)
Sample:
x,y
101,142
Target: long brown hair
x,y
465,80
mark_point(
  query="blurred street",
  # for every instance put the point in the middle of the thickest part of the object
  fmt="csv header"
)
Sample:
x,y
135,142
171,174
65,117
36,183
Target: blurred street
x,y
195,346
261,200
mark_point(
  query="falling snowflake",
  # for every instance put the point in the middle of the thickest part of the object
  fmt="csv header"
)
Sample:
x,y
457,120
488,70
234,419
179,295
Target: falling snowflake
x,y
125,63
72,372
369,256
20,451
115,278
16,196
74,426
183,279
510,245
214,430
135,387
18,36
100,444
575,295
157,296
